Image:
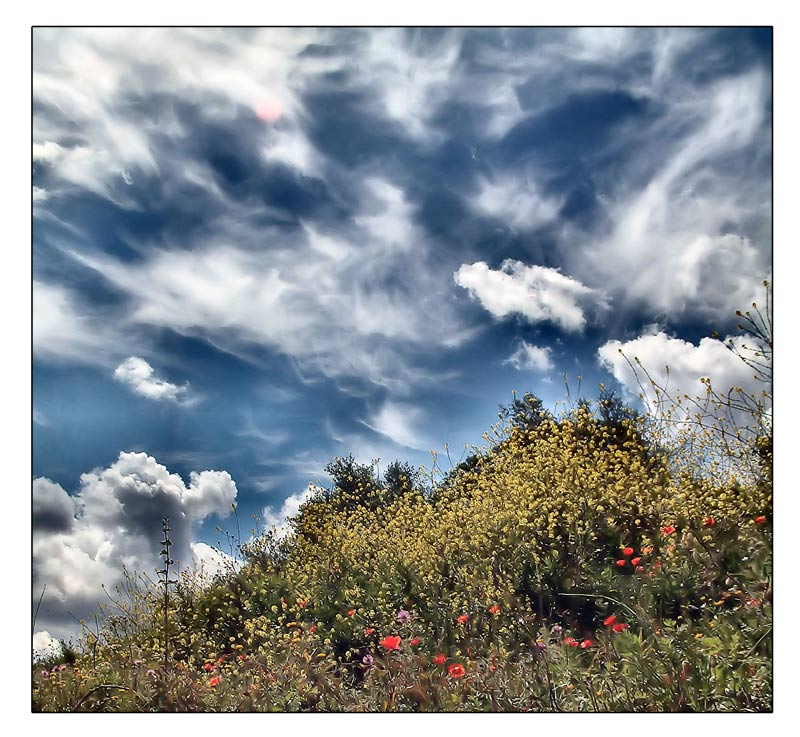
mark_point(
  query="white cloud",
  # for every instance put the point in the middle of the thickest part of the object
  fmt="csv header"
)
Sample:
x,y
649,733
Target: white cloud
x,y
514,201
45,646
278,520
65,329
694,231
138,375
398,422
537,293
208,561
687,364
531,357
116,522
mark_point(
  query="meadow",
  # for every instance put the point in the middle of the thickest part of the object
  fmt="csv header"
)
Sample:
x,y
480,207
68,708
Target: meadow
x,y
588,559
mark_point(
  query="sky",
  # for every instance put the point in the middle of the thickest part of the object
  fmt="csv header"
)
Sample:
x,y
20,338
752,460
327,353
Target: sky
x,y
258,249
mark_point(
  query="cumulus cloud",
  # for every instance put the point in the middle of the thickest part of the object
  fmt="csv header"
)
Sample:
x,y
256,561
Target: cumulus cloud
x,y
278,520
138,375
679,365
531,357
536,293
208,561
45,646
82,541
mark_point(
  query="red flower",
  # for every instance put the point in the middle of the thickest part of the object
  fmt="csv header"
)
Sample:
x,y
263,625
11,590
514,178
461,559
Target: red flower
x,y
351,612
586,644
439,659
619,627
627,551
668,530
636,561
303,604
494,609
312,628
571,641
390,642
208,667
463,619
760,520
456,670
621,563
415,642
639,569
709,522
369,630
214,681
608,621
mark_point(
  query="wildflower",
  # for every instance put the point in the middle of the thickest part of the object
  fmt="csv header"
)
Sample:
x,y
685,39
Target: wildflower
x,y
636,561
369,630
619,627
760,520
639,569
540,647
367,659
439,659
303,604
214,681
456,670
208,667
709,522
415,642
390,642
608,621
571,641
586,644
627,551
312,628
494,609
351,612
463,619
556,629
403,616
668,530
621,563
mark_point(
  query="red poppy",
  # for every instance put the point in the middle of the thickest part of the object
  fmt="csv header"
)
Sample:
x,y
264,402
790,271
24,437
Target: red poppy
x,y
668,530
709,522
586,644
463,619
621,563
208,667
214,681
608,621
303,604
312,628
390,642
571,641
369,630
415,642
494,609
351,612
620,627
242,658
456,670
439,659
636,561
760,520
627,551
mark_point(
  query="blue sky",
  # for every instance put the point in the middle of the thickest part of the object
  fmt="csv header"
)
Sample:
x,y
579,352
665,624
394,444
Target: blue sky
x,y
254,250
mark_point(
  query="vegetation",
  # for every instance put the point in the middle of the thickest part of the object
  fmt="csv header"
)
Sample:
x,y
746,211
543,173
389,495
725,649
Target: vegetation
x,y
580,561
